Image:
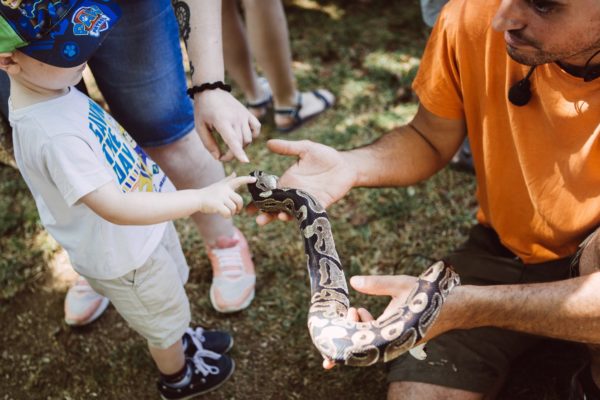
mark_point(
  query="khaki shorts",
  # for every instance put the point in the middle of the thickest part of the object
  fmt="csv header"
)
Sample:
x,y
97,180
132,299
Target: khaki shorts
x,y
478,359
151,298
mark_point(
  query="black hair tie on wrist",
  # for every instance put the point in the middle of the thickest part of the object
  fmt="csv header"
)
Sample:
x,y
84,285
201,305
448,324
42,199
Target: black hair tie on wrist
x,y
208,86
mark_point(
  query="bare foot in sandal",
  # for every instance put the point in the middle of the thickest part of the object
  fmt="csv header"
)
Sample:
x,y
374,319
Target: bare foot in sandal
x,y
308,105
259,106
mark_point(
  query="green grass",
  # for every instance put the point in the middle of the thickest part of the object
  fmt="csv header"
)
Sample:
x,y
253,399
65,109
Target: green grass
x,y
367,53
23,243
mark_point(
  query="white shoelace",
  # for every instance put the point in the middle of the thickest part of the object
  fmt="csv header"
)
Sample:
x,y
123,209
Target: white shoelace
x,y
230,261
197,337
197,333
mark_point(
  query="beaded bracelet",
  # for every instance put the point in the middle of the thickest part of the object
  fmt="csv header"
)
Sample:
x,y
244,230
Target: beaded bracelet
x,y
208,86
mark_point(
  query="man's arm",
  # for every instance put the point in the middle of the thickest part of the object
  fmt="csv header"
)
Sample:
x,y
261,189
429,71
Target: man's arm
x,y
408,154
404,156
200,27
567,309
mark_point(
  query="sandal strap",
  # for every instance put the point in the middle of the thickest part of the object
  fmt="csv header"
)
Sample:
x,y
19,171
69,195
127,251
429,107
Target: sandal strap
x,y
319,96
267,93
260,104
293,111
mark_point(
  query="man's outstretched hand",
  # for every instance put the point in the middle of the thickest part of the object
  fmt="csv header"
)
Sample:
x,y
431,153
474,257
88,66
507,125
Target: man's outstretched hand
x,y
320,170
396,286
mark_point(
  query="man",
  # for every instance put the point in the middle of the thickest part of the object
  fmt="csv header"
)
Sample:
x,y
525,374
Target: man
x,y
538,187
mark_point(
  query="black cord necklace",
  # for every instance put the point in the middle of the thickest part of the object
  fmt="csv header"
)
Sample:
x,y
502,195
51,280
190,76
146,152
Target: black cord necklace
x,y
591,72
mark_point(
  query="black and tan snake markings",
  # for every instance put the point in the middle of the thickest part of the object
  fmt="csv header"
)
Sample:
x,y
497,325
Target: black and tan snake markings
x,y
347,342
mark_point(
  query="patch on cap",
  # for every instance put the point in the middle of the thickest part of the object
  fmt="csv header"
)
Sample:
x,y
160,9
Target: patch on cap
x,y
63,33
89,21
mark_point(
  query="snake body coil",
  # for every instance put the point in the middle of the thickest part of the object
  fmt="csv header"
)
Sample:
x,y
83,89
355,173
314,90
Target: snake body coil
x,y
347,342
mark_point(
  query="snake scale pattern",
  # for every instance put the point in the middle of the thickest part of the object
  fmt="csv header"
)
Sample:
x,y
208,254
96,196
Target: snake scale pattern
x,y
347,342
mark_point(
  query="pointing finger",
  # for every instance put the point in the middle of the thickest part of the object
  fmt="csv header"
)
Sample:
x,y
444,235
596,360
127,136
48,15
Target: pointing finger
x,y
232,139
235,183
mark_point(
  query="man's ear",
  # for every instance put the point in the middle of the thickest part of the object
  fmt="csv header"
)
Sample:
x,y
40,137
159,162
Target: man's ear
x,y
8,63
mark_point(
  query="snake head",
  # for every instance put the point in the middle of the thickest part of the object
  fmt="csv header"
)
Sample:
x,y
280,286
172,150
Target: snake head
x,y
264,182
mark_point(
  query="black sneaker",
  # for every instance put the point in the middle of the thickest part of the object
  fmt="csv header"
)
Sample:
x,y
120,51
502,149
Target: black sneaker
x,y
208,371
218,341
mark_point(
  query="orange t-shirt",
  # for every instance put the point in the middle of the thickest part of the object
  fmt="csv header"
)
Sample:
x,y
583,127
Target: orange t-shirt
x,y
537,166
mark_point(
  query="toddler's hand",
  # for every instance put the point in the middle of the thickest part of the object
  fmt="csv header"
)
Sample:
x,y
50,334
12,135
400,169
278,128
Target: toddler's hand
x,y
221,198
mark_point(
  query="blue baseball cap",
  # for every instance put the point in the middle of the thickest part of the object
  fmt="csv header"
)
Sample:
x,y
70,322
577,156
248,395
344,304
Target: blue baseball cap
x,y
63,33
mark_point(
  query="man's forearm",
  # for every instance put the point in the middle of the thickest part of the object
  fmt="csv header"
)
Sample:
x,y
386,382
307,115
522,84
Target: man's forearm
x,y
399,158
568,309
408,154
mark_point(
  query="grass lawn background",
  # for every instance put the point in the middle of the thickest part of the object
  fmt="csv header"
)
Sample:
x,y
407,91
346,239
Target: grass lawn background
x,y
367,53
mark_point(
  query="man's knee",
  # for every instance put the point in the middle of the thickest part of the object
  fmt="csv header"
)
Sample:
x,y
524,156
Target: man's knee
x,y
418,391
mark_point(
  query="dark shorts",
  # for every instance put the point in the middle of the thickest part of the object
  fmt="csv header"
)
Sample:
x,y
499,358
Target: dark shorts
x,y
477,359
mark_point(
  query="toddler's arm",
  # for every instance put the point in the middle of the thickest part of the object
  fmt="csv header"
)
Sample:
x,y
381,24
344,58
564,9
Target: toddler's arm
x,y
146,208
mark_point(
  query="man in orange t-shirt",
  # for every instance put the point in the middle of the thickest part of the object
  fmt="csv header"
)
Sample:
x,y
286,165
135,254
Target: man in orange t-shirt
x,y
537,162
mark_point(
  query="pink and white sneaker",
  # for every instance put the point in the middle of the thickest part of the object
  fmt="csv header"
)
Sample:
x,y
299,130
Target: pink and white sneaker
x,y
82,304
232,288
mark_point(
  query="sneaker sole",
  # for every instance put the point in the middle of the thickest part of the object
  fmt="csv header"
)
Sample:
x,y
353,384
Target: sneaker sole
x,y
99,311
230,347
243,306
206,391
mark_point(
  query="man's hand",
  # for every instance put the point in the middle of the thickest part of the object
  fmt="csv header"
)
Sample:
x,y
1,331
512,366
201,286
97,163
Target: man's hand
x,y
320,170
356,315
398,287
219,111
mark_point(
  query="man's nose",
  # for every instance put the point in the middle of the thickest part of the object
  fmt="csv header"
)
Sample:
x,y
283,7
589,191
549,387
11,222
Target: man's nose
x,y
510,16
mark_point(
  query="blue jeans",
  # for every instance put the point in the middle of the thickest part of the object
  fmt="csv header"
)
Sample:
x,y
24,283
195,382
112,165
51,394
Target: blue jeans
x,y
139,70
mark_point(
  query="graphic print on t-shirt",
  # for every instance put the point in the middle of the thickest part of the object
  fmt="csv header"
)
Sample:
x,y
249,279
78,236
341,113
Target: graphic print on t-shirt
x,y
134,170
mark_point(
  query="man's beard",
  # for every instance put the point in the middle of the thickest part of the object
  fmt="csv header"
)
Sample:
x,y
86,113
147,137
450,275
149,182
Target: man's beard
x,y
539,56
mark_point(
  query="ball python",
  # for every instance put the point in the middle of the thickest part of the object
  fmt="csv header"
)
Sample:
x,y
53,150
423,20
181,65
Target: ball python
x,y
348,342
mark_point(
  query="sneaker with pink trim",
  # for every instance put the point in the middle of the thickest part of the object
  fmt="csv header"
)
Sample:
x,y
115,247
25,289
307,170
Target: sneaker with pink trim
x,y
233,282
82,304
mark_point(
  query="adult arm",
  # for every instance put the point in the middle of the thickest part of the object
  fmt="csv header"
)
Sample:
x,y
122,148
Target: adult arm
x,y
200,26
404,156
145,208
567,309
